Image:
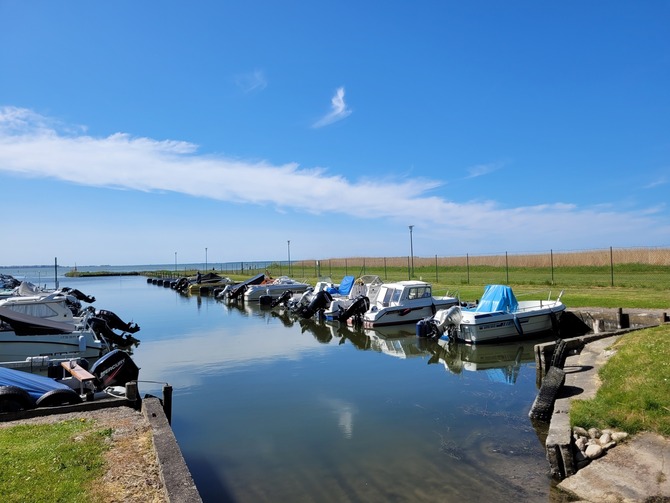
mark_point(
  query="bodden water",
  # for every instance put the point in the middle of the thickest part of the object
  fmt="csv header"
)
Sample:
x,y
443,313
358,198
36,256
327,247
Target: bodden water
x,y
271,408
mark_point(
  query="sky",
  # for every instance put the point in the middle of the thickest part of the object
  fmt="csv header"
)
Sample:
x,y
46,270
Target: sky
x,y
148,132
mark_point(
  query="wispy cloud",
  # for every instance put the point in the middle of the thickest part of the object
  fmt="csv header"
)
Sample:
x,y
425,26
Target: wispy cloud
x,y
482,169
34,146
338,110
662,180
250,82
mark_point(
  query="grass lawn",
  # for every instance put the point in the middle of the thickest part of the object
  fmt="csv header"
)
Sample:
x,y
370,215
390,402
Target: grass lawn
x,y
635,391
51,462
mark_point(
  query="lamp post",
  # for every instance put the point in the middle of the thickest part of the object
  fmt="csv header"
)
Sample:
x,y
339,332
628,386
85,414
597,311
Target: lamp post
x,y
205,258
289,256
411,249
175,261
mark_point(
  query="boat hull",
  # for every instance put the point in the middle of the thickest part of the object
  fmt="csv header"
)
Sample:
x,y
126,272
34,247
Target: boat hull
x,y
492,327
401,315
19,347
255,292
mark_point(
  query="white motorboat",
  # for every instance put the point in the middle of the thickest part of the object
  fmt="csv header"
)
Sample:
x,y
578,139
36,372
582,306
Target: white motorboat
x,y
497,316
54,324
367,285
274,288
398,303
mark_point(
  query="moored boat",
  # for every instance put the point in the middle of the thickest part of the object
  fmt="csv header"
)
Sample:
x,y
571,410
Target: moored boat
x,y
497,316
399,303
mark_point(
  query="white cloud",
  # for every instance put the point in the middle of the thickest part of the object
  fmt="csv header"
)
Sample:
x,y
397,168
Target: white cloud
x,y
482,169
33,146
338,110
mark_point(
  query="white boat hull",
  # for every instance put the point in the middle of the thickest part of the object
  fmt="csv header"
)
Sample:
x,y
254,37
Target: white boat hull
x,y
255,292
19,347
488,327
408,313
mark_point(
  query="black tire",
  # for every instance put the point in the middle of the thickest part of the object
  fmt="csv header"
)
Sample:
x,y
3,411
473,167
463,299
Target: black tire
x,y
58,397
543,405
14,399
559,354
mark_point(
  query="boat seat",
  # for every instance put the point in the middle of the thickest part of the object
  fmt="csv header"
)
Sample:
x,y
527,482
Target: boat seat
x,y
79,373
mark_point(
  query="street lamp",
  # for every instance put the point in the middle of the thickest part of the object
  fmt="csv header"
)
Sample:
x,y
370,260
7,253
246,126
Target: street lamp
x,y
411,248
289,256
175,261
205,258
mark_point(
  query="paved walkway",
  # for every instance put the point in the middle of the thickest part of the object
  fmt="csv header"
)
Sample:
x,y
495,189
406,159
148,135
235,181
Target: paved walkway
x,y
637,470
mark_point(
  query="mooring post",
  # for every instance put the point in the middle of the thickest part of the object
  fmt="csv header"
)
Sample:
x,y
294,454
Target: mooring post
x,y
167,402
133,394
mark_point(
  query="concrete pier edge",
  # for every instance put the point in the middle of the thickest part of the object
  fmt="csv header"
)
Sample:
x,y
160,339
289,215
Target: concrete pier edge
x,y
175,475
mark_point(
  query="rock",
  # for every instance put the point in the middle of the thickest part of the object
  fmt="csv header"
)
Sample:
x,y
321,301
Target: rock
x,y
605,438
594,451
608,445
594,432
618,436
579,431
580,443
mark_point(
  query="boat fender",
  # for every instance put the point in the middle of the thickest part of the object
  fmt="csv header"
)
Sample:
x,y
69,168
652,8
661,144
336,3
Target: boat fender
x,y
517,324
82,344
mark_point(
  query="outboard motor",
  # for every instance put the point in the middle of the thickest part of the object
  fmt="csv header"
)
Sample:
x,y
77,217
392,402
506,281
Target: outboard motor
x,y
356,309
113,321
77,294
282,299
426,328
321,300
100,327
116,368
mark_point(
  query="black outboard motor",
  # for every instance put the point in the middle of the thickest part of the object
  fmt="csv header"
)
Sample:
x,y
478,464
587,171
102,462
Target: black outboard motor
x,y
426,328
77,294
100,327
281,300
321,300
356,309
116,368
113,321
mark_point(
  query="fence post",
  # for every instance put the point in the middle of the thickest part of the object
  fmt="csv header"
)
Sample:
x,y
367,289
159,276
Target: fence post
x,y
611,266
506,269
435,268
552,265
467,266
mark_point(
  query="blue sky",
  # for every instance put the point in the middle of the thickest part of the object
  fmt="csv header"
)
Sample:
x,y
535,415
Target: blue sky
x,y
133,130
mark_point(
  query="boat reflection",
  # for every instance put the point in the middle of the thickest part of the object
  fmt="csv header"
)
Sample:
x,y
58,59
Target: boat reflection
x,y
397,341
502,362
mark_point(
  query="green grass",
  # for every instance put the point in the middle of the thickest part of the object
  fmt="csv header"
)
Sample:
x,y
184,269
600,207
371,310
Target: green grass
x,y
635,390
50,462
635,285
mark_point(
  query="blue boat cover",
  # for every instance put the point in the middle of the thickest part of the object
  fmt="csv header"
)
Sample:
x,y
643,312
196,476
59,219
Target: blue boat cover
x,y
497,298
344,288
35,385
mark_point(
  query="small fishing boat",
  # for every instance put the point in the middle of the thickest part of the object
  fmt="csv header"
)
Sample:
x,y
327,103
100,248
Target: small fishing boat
x,y
55,324
399,303
497,316
365,286
274,288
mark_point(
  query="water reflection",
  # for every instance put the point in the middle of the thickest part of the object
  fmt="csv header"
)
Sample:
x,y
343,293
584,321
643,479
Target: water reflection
x,y
500,362
269,407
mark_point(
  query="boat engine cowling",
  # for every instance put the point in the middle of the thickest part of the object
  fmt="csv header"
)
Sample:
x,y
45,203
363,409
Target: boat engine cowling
x,y
113,321
356,309
321,300
116,368
439,323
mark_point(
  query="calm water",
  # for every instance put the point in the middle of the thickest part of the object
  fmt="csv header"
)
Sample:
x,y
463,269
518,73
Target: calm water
x,y
267,408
